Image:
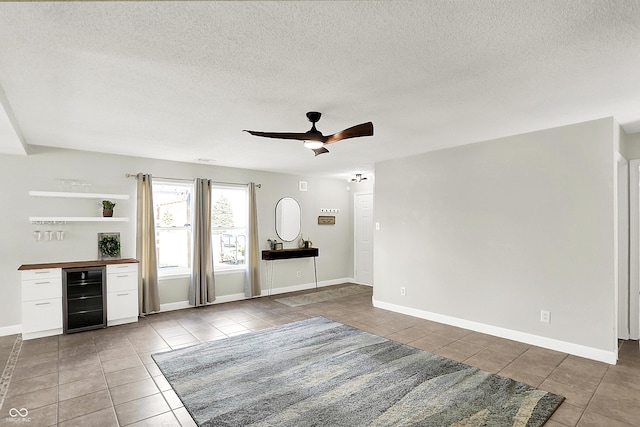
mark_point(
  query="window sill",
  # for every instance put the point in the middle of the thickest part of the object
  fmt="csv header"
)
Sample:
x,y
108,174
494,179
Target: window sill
x,y
188,275
228,271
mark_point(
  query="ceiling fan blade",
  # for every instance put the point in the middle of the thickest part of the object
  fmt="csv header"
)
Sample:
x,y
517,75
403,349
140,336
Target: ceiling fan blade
x,y
364,129
307,136
320,150
278,135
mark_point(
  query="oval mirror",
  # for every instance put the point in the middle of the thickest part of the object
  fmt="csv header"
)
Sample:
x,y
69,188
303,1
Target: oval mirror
x,y
288,219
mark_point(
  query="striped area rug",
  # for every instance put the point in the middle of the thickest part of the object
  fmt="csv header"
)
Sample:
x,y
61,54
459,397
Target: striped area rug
x,y
318,372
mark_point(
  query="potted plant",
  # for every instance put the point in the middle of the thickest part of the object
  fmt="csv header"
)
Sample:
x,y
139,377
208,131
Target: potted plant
x,y
109,245
107,208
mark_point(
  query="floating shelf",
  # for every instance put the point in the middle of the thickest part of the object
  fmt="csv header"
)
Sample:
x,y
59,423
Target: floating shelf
x,y
77,219
79,195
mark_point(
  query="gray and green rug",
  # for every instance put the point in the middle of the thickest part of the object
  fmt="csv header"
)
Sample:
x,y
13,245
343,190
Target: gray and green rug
x,y
317,372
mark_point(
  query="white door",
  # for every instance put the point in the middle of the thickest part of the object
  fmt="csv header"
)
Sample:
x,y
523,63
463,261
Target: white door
x,y
363,225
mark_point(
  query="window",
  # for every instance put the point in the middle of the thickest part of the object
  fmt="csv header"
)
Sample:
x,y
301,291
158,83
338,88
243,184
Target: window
x,y
229,213
172,204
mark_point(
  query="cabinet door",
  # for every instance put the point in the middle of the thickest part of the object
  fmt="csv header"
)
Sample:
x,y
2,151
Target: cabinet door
x,y
41,315
122,282
122,305
122,268
42,289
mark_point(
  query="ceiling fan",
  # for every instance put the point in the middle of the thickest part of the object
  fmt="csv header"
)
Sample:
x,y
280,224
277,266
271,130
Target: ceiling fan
x,y
314,139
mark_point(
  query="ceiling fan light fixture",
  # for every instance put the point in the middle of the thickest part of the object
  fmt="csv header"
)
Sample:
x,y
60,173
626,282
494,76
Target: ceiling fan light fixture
x,y
359,178
313,145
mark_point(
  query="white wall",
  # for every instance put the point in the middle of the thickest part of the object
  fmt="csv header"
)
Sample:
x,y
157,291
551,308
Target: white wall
x,y
106,173
486,235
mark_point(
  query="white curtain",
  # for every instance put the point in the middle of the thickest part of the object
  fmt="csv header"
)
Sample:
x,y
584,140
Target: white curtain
x,y
202,286
148,295
252,287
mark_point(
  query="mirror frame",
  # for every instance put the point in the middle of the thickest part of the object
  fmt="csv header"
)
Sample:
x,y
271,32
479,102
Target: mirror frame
x,y
278,218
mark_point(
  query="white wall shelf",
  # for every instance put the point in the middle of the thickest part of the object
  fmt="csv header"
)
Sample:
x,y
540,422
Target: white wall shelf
x,y
79,195
77,219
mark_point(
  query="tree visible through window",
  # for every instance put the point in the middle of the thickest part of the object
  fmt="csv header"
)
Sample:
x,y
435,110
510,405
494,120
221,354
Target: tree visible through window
x,y
229,212
172,207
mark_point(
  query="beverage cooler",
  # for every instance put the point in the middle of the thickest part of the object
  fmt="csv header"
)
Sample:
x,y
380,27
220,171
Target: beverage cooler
x,y
84,299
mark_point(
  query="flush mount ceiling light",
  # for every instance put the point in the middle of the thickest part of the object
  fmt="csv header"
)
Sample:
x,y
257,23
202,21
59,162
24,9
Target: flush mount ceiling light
x,y
358,178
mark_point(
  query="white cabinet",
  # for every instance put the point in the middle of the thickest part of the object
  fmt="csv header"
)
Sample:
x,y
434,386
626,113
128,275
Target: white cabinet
x,y
122,293
41,303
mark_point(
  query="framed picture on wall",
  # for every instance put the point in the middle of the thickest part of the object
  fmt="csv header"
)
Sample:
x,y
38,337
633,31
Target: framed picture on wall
x,y
108,246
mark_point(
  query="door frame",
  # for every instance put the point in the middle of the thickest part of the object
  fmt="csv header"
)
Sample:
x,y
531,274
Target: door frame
x,y
622,221
634,249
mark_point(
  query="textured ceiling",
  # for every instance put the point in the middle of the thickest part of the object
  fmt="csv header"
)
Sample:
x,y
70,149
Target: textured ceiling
x,y
180,80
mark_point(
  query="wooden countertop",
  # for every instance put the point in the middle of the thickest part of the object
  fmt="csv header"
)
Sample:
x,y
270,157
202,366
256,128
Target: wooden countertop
x,y
74,264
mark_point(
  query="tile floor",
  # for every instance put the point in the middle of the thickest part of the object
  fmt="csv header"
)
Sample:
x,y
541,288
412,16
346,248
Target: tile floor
x,y
107,377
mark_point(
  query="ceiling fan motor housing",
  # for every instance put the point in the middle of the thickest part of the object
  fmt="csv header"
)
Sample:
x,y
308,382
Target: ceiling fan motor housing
x,y
313,116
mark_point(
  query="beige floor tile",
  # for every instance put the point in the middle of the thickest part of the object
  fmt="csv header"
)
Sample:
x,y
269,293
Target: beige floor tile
x,y
184,417
593,419
489,360
619,403
132,391
120,364
32,384
172,399
32,399
180,340
140,409
82,373
23,371
83,405
117,353
567,414
82,387
39,417
77,362
125,376
574,394
168,419
459,350
102,418
523,376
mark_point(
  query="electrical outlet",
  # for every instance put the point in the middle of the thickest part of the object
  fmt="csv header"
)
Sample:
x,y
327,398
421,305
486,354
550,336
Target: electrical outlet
x,y
299,274
377,226
545,316
403,291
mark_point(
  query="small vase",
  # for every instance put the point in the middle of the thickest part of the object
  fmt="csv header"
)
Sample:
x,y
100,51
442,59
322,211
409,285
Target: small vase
x,y
107,212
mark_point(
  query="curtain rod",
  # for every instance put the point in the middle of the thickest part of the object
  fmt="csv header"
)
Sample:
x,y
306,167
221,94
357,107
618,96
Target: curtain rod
x,y
133,175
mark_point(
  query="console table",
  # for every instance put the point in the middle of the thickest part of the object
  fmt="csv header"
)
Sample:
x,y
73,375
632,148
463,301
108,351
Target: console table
x,y
274,255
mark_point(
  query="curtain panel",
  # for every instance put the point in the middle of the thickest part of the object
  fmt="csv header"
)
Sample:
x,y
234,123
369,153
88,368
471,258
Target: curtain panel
x,y
252,287
202,285
148,294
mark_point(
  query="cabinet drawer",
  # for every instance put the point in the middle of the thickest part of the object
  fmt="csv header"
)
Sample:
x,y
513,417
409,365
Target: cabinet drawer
x,y
122,268
45,273
40,289
122,282
41,315
121,305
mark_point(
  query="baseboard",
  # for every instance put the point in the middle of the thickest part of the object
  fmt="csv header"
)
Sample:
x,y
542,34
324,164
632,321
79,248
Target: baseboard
x,y
265,292
360,283
10,330
549,343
